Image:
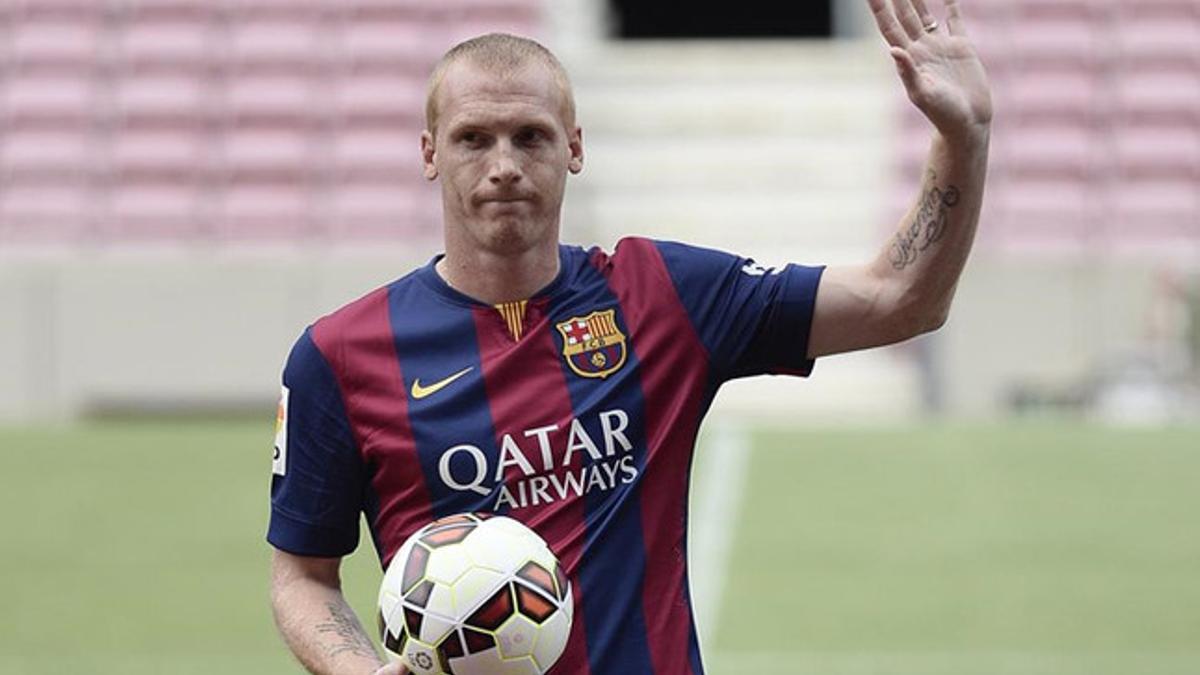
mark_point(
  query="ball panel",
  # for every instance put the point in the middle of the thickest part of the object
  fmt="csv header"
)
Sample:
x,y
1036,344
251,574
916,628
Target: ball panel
x,y
493,612
534,605
447,564
414,568
516,637
552,639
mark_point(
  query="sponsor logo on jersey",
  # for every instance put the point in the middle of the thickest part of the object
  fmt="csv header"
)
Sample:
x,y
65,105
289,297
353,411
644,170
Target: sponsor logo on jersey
x,y
533,470
593,345
279,462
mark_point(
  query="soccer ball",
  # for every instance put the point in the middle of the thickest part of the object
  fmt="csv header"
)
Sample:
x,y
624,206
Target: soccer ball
x,y
474,594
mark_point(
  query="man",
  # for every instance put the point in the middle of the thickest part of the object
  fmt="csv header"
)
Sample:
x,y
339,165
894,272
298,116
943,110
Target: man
x,y
565,387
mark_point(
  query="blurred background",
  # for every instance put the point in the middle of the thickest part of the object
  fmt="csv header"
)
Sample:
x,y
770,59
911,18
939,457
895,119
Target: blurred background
x,y
186,184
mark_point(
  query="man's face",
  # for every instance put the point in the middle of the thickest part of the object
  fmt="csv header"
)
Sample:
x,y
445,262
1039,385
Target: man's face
x,y
502,150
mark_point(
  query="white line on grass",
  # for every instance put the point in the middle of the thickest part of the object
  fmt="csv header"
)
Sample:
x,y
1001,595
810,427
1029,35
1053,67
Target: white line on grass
x,y
716,508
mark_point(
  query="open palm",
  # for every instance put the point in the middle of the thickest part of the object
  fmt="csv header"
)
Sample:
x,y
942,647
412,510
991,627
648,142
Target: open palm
x,y
938,65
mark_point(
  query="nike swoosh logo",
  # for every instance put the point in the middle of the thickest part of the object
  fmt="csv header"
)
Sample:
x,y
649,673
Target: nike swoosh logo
x,y
420,391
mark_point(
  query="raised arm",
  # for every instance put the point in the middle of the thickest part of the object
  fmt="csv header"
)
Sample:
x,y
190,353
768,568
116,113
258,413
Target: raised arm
x,y
906,290
317,624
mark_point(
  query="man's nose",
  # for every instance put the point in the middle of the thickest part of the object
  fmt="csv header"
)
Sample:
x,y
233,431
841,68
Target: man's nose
x,y
504,169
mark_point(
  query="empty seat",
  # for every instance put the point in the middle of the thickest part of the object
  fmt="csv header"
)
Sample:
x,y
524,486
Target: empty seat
x,y
1047,96
264,212
358,153
380,100
1159,42
1166,97
163,99
54,43
42,101
1044,213
147,45
180,155
1149,213
268,155
382,212
1052,152
291,99
396,44
46,156
1158,152
277,44
153,212
53,213
1069,42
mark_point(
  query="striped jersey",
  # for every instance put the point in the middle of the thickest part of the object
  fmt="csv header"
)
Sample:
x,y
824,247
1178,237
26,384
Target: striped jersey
x,y
575,411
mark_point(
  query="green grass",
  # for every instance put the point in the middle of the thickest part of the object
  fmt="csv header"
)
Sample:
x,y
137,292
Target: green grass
x,y
137,548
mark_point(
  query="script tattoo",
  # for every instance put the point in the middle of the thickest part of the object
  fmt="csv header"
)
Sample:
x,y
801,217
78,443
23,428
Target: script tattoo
x,y
927,227
345,627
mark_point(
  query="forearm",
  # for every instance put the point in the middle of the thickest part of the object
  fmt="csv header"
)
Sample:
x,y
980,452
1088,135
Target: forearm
x,y
925,258
321,629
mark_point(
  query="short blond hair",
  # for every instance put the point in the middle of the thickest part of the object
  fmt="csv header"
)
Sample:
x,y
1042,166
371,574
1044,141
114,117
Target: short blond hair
x,y
501,54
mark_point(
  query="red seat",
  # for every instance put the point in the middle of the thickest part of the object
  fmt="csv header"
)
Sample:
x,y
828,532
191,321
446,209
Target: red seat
x,y
164,100
46,157
47,101
249,212
55,43
383,212
153,212
282,100
396,101
1158,152
385,153
46,214
168,45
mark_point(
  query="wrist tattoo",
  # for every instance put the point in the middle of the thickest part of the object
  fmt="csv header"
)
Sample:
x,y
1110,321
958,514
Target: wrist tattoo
x,y
927,226
349,637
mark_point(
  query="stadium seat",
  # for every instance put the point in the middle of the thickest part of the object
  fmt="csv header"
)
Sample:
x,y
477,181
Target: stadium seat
x,y
283,44
1172,43
1052,152
1069,95
379,101
290,100
47,101
1054,215
54,43
143,46
1058,43
272,155
180,155
45,214
1159,96
1156,214
164,100
387,153
153,212
1158,152
248,212
45,157
395,45
381,211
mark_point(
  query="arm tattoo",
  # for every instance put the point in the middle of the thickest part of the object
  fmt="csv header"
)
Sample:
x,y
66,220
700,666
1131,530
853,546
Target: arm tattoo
x,y
927,227
350,638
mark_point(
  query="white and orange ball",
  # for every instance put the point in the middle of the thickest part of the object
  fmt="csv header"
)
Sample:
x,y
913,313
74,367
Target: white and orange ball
x,y
474,594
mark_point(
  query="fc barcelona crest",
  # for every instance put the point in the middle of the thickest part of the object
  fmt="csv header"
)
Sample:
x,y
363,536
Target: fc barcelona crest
x,y
593,345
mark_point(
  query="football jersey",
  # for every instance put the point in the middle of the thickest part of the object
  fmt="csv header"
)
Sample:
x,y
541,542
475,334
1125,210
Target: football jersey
x,y
575,411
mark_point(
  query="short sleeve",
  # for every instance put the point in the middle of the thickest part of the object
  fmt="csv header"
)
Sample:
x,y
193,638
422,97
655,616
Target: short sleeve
x,y
318,480
752,320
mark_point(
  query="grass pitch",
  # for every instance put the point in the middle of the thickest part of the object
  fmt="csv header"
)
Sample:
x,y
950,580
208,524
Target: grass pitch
x,y
137,548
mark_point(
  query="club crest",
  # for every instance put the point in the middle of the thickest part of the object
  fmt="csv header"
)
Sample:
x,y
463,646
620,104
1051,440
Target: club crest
x,y
593,345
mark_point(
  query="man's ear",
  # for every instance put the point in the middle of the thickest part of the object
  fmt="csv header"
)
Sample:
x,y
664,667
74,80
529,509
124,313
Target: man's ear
x,y
428,153
575,143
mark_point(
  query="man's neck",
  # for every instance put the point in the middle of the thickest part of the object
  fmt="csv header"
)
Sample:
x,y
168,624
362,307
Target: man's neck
x,y
494,279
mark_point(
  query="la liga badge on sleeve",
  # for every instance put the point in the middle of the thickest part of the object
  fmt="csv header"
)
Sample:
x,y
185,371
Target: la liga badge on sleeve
x,y
593,345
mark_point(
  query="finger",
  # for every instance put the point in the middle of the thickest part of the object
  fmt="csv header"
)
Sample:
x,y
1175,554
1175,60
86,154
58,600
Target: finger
x,y
891,30
909,19
906,68
954,20
927,18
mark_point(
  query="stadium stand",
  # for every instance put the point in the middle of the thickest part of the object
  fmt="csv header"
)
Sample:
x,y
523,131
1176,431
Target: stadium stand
x,y
231,121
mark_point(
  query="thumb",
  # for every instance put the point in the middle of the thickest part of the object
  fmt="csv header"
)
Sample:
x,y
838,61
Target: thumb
x,y
906,67
393,668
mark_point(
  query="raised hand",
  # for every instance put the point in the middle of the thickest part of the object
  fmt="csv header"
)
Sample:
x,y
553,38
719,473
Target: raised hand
x,y
938,65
